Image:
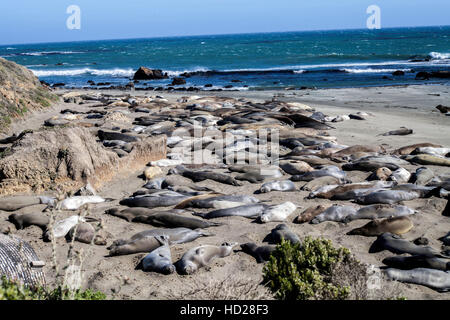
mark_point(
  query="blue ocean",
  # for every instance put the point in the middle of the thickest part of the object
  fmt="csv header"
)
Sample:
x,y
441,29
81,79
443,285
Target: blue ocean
x,y
322,59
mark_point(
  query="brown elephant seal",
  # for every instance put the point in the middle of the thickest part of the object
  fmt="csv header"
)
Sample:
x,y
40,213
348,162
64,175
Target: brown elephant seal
x,y
130,213
332,171
380,174
435,279
22,221
145,241
296,167
261,253
19,202
201,256
309,214
160,259
412,262
282,231
85,233
252,177
320,182
358,148
171,219
408,149
397,225
198,176
403,131
397,245
427,159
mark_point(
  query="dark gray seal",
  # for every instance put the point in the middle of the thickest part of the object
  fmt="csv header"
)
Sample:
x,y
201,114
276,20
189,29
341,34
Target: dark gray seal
x,y
282,231
130,213
170,219
209,202
19,202
397,245
160,259
261,254
150,201
412,262
198,176
251,211
387,196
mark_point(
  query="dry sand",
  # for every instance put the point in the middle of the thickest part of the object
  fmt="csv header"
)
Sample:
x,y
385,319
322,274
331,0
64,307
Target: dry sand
x,y
392,107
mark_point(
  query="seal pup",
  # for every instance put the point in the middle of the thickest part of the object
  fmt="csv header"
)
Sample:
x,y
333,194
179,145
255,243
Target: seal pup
x,y
380,174
334,213
412,262
170,219
435,279
400,176
426,159
261,253
85,233
201,256
198,176
62,227
22,221
397,225
408,149
282,231
397,245
278,212
285,185
309,214
151,201
209,202
252,177
320,182
379,211
248,211
296,167
403,131
442,152
160,259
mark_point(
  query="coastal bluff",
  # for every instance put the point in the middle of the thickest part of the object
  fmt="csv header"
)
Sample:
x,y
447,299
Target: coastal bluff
x,y
20,92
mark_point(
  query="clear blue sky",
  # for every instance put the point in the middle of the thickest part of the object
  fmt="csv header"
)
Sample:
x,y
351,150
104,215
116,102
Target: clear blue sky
x,y
30,21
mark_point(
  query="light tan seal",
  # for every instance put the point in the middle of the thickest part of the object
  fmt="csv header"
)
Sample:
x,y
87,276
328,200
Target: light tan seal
x,y
397,225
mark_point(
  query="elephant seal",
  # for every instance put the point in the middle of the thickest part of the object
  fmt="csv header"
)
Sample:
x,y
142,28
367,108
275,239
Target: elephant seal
x,y
400,176
156,183
130,213
209,202
85,233
426,159
296,167
380,174
252,177
422,176
334,213
171,219
150,201
413,262
446,239
282,231
446,211
145,241
332,171
160,259
320,182
16,203
309,214
201,256
387,197
198,176
435,279
74,203
408,149
285,185
261,254
397,225
22,221
379,211
62,227
358,148
277,212
248,211
400,132
397,245
442,152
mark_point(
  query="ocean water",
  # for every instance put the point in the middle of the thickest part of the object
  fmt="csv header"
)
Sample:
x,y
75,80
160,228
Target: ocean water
x,y
324,59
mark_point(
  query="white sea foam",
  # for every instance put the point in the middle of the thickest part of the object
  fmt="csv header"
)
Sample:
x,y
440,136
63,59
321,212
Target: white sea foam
x,y
370,70
439,56
76,72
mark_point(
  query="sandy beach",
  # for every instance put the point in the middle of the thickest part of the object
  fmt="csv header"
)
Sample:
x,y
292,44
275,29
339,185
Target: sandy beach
x,y
412,106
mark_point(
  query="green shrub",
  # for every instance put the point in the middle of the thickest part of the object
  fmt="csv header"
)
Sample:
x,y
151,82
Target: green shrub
x,y
10,290
304,271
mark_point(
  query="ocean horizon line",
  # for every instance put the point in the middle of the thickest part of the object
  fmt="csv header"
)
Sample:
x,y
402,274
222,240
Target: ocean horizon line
x,y
222,35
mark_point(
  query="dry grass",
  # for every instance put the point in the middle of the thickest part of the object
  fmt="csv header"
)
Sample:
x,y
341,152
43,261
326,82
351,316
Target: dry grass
x,y
231,287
